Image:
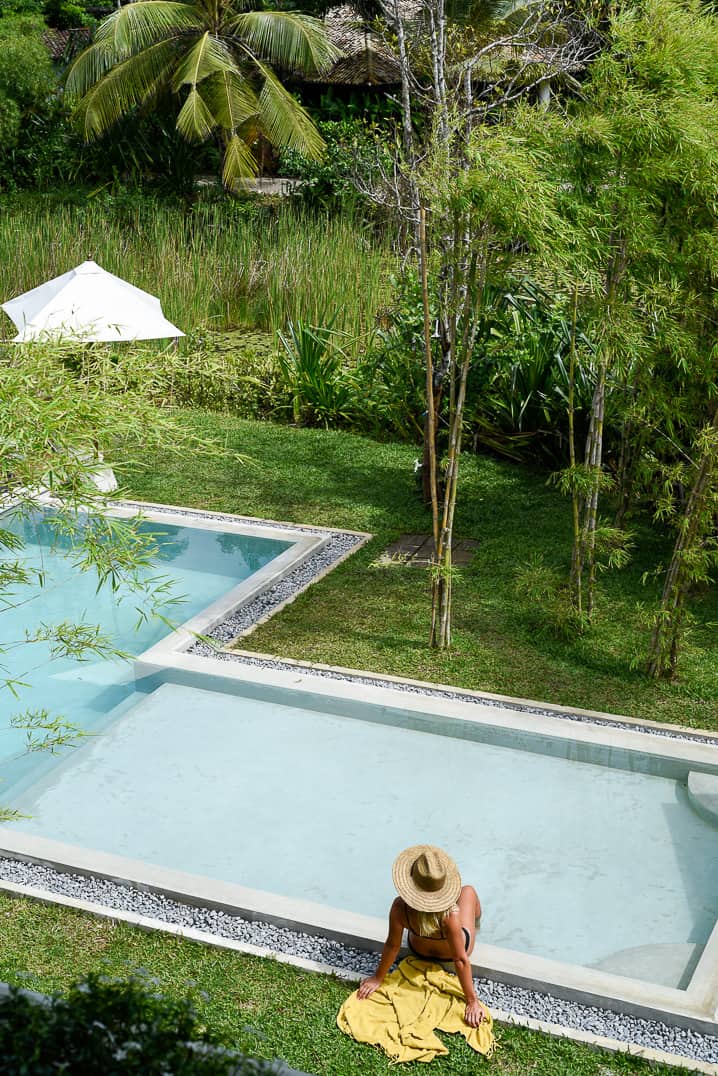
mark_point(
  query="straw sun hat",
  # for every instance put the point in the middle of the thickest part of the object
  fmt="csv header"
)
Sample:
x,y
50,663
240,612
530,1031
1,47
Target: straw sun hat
x,y
426,878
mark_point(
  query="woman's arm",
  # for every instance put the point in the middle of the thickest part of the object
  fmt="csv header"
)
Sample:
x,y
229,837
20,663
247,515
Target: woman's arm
x,y
455,936
392,945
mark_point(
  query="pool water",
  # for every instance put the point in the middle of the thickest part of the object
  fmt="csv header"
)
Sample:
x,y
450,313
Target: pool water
x,y
573,860
200,564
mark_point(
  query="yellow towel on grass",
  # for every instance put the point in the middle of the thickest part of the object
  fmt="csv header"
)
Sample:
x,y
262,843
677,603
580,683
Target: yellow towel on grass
x,y
401,1015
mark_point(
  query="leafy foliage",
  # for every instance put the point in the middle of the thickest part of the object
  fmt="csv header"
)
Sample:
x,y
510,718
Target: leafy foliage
x,y
216,62
27,79
58,404
330,183
112,1026
319,388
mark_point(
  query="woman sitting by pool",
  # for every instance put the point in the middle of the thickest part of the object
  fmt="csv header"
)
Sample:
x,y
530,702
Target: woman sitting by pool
x,y
440,915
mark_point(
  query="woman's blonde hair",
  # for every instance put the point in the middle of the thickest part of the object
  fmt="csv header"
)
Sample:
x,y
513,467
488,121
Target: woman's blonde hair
x,y
428,924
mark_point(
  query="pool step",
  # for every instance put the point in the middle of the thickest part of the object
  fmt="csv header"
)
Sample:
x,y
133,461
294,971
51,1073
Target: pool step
x,y
668,964
703,795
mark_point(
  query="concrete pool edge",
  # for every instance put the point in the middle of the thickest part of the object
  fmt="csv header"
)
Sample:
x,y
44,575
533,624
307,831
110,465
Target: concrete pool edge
x,y
428,687
307,541
201,937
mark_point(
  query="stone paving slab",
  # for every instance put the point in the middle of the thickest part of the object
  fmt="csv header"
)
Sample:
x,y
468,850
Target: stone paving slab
x,y
414,550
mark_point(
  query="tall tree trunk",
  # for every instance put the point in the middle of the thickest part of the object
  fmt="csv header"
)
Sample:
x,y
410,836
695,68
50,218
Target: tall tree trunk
x,y
576,580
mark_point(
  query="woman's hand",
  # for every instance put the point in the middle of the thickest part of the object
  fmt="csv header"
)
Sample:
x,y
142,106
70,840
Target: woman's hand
x,y
474,1013
368,986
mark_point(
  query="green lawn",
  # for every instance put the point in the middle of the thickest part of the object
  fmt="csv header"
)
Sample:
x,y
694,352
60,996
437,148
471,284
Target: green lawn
x,y
376,618
265,1008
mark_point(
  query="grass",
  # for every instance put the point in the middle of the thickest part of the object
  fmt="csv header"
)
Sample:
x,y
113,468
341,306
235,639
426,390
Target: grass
x,y
375,618
264,1008
220,265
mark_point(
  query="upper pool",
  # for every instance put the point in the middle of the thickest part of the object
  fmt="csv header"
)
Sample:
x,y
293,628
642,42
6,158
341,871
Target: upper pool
x,y
201,564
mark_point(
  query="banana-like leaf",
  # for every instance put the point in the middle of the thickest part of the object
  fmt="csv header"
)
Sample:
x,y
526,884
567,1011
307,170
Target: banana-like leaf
x,y
293,41
127,85
231,99
239,162
206,57
144,22
284,121
195,121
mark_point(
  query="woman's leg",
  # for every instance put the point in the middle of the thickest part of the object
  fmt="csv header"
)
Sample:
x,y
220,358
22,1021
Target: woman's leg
x,y
469,913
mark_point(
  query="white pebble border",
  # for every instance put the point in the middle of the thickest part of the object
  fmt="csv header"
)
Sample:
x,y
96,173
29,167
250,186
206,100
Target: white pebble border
x,y
593,1026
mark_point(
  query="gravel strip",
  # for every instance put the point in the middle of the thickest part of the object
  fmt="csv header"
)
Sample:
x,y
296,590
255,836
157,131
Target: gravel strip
x,y
439,693
512,999
262,605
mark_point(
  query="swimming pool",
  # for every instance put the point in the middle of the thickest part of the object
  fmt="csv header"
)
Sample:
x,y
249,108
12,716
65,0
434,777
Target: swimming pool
x,y
286,795
209,568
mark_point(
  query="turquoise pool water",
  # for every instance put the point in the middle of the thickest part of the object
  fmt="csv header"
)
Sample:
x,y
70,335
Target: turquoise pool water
x,y
201,564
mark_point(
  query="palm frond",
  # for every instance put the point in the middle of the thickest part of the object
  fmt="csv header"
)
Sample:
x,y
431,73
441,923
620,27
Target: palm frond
x,y
195,121
206,57
232,100
137,25
89,67
293,41
284,121
239,162
127,85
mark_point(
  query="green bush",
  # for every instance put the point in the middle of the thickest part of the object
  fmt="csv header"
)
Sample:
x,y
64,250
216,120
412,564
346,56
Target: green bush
x,y
27,79
66,14
316,386
353,146
111,1026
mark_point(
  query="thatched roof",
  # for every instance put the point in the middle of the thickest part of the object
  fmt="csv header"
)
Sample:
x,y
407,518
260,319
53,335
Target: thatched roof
x,y
366,60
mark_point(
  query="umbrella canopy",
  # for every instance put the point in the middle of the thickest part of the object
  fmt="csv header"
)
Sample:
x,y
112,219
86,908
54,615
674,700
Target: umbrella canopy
x,y
88,304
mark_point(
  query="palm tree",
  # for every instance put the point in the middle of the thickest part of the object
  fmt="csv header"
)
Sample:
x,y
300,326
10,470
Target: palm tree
x,y
216,58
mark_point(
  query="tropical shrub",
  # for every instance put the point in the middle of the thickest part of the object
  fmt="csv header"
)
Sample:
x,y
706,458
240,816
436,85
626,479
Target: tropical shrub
x,y
112,1026
27,79
330,182
318,388
66,14
519,395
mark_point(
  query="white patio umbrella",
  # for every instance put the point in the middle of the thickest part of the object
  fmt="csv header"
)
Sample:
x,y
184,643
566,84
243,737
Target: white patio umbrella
x,y
88,304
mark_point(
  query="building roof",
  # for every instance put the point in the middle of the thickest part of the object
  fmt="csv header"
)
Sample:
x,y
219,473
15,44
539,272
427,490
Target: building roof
x,y
64,44
366,60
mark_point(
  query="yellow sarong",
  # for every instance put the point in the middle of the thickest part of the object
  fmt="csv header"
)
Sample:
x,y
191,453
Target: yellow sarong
x,y
401,1015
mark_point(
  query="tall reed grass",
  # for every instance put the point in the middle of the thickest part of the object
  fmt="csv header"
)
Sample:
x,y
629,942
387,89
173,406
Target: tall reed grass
x,y
214,266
